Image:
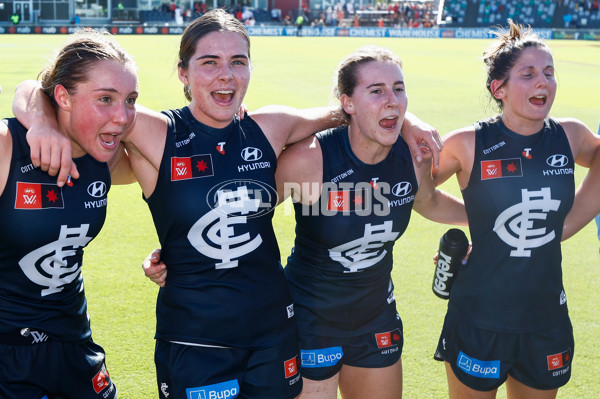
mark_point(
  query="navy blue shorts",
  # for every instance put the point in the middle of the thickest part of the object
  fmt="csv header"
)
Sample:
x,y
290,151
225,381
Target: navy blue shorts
x,y
57,370
198,372
322,357
483,359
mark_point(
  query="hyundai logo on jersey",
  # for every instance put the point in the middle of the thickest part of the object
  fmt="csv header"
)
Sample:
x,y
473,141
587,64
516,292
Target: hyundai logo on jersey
x,y
557,160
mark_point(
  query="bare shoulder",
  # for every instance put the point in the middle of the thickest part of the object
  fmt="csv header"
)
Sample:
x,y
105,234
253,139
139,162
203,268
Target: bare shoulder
x,y
459,141
5,140
148,119
303,159
459,135
5,154
271,114
147,135
573,126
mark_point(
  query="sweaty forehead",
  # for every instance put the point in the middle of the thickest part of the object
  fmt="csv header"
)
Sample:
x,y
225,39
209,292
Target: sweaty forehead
x,y
222,44
535,56
380,71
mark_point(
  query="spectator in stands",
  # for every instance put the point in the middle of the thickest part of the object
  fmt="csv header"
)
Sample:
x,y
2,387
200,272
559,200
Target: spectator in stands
x,y
299,23
329,16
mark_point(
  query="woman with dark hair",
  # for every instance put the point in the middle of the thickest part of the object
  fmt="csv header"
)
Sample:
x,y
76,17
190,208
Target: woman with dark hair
x,y
507,318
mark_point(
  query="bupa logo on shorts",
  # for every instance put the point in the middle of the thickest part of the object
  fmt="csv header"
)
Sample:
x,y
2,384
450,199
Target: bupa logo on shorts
x,y
559,360
325,357
223,390
478,368
388,339
557,160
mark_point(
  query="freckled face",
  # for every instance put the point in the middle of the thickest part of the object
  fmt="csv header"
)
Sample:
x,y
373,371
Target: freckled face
x,y
378,104
95,116
529,93
218,75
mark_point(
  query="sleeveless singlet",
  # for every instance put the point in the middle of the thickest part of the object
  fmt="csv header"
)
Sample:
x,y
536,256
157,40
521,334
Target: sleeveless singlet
x,y
519,193
45,228
340,268
212,209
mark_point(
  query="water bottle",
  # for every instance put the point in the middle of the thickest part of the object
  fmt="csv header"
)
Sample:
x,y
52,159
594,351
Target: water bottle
x,y
453,248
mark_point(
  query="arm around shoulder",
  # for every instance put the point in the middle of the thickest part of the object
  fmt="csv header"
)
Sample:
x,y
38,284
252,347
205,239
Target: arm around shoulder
x,y
456,157
299,171
5,155
285,125
434,204
584,143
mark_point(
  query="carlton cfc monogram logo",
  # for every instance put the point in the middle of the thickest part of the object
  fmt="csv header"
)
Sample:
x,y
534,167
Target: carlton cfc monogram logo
x,y
365,251
49,266
213,235
515,226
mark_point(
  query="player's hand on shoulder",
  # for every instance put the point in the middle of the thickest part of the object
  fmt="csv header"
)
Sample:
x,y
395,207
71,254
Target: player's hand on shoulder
x,y
422,139
51,151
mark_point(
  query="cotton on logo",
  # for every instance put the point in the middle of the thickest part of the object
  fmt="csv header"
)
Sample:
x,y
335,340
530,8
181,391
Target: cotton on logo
x,y
557,160
402,189
97,189
251,154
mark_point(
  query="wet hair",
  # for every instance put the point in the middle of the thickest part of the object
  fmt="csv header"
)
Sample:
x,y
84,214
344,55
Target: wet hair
x,y
217,20
503,53
82,51
347,71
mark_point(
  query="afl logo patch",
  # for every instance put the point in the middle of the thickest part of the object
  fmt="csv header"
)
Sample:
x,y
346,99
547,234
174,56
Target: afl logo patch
x,y
251,154
557,160
97,189
402,189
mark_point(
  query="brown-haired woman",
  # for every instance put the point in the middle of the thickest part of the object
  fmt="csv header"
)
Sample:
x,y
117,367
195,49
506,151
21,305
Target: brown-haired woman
x,y
46,345
507,318
354,188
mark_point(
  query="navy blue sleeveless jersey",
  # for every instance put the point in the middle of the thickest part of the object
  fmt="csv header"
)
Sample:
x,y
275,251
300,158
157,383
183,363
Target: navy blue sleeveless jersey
x,y
340,268
45,229
519,193
212,209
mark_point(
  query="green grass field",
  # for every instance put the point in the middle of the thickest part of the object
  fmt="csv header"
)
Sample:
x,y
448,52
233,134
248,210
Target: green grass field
x,y
445,84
